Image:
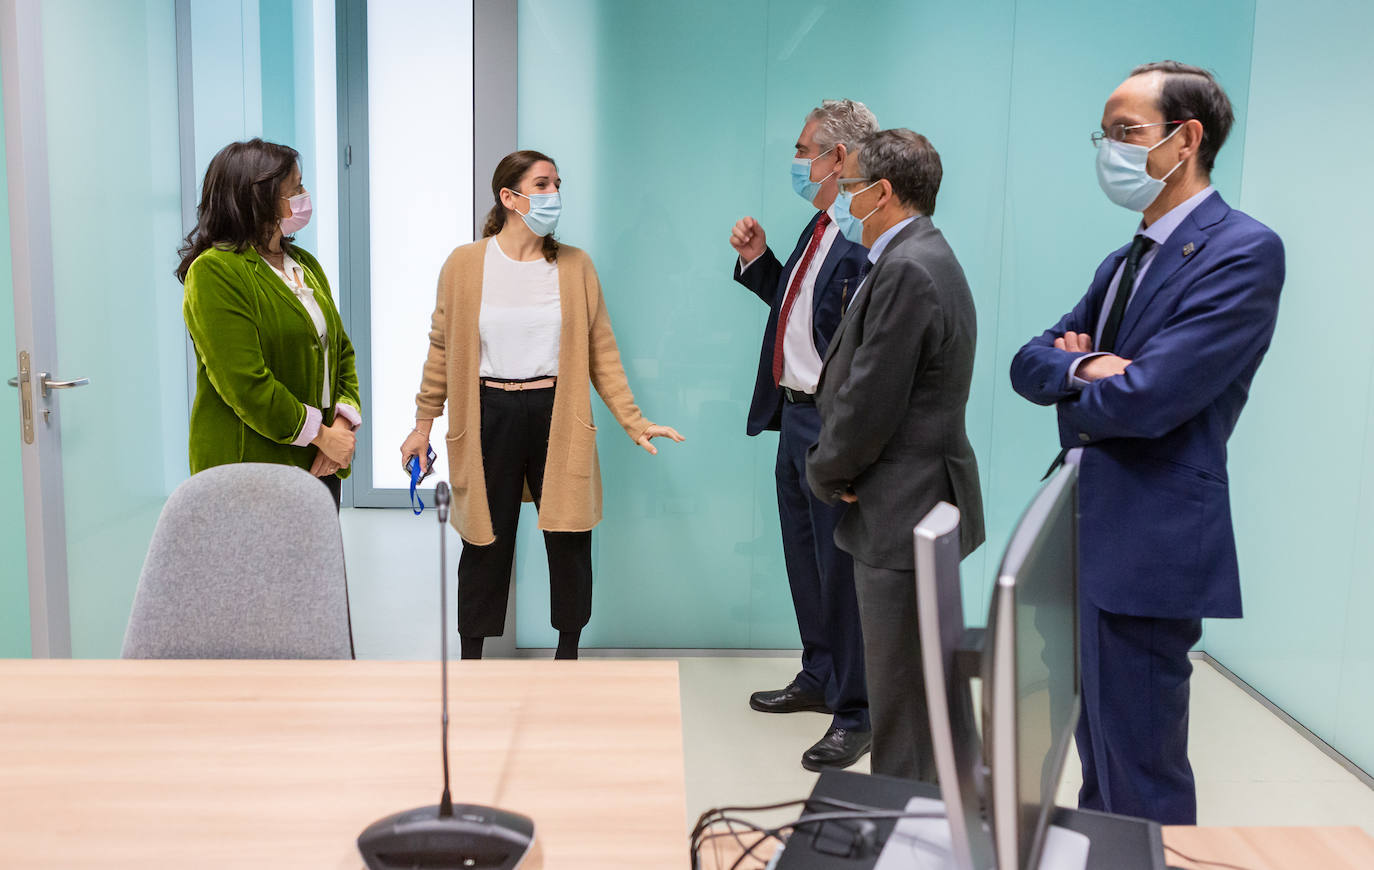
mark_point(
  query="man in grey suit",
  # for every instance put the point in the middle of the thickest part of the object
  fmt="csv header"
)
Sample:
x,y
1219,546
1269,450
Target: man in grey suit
x,y
891,397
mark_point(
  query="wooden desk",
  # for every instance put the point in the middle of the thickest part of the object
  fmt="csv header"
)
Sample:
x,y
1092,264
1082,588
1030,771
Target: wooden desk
x,y
1246,848
282,764
1271,848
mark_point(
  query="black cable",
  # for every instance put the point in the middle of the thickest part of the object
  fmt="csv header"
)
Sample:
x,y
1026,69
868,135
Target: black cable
x,y
816,818
730,831
1169,848
701,820
748,853
700,837
717,816
712,816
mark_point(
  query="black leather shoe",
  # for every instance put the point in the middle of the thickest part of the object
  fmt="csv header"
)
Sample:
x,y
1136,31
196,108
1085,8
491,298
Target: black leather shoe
x,y
839,748
791,699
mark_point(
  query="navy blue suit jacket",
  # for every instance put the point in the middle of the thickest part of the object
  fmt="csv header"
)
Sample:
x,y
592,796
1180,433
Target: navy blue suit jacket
x,y
842,270
1155,529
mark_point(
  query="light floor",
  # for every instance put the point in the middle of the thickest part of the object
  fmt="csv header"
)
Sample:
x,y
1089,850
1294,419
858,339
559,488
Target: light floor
x,y
1251,767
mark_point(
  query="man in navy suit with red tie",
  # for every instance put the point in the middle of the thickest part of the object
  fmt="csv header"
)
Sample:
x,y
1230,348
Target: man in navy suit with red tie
x,y
1149,374
806,296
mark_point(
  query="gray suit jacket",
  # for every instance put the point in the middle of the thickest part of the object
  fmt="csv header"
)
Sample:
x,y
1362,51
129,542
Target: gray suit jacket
x,y
892,395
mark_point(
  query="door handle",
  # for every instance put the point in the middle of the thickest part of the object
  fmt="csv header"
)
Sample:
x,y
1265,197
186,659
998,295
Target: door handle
x,y
49,384
14,381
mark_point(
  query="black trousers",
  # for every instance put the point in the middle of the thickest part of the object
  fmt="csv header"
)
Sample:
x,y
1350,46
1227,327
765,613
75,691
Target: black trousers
x,y
515,446
335,486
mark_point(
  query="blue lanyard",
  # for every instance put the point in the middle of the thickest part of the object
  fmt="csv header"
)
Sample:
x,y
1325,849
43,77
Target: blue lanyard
x,y
415,503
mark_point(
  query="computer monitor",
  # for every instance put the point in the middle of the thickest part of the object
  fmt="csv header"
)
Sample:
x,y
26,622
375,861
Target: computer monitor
x,y
999,791
1030,671
954,732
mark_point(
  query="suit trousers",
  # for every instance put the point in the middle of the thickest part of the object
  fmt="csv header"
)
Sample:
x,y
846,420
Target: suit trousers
x,y
1133,732
515,446
896,682
821,578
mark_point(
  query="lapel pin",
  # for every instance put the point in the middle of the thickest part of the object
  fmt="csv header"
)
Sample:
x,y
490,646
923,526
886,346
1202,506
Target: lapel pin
x,y
1188,249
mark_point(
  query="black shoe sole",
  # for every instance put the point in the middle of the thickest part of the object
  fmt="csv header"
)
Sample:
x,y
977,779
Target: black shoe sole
x,y
807,708
818,766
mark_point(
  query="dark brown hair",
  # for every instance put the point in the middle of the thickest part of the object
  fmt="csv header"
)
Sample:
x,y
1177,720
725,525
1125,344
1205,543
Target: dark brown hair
x,y
509,173
239,199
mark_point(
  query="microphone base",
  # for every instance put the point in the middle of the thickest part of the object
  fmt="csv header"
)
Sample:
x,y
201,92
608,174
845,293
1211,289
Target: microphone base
x,y
473,838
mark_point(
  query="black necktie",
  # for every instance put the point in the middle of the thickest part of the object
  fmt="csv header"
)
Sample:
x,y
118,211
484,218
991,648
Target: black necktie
x,y
1107,344
1124,289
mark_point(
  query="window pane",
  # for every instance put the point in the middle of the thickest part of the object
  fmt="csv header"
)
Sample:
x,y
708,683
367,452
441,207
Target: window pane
x,y
419,94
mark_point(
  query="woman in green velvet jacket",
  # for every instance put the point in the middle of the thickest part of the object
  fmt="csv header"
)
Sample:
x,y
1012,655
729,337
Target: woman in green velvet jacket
x,y
275,376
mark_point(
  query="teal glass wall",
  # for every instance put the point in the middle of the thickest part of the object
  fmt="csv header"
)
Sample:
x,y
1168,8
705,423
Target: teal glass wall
x,y
252,75
14,578
1302,460
671,121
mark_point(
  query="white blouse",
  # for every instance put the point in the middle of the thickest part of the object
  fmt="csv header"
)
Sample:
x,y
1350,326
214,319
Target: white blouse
x,y
293,276
521,318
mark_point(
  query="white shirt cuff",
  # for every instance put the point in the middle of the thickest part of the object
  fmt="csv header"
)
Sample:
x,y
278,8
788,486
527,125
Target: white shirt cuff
x,y
349,413
743,265
310,429
1075,382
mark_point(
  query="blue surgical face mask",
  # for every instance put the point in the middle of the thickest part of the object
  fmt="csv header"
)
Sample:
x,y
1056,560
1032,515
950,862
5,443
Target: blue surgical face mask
x,y
801,176
851,227
1122,174
542,218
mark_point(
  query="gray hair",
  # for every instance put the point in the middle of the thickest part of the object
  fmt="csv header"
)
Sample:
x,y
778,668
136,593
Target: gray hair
x,y
909,163
842,122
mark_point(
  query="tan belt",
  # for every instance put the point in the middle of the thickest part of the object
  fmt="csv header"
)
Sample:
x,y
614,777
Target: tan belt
x,y
541,384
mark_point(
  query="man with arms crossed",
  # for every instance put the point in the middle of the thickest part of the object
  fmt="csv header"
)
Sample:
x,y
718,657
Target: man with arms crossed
x,y
1149,373
804,298
893,443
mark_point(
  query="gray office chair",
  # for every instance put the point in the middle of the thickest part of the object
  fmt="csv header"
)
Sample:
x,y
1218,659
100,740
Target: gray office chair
x,y
246,562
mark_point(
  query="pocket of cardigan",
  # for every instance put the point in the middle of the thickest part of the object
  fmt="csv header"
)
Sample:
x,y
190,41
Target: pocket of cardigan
x,y
457,477
581,448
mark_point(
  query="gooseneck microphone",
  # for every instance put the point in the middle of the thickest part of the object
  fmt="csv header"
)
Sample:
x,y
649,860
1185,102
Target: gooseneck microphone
x,y
441,502
462,837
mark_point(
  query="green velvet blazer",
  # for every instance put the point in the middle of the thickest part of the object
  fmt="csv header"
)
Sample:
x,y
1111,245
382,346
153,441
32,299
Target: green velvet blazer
x,y
259,361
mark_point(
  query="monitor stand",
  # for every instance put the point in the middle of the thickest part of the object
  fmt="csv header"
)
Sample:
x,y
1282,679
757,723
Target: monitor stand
x,y
1116,842
924,844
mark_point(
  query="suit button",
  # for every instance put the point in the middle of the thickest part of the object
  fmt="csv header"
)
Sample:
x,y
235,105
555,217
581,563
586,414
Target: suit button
x,y
1084,437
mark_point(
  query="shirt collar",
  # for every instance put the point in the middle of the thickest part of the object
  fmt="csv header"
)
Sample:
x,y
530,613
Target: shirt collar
x,y
1159,231
886,238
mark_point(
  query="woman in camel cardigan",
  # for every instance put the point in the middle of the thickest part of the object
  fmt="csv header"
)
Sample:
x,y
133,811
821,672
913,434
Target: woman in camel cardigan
x,y
518,336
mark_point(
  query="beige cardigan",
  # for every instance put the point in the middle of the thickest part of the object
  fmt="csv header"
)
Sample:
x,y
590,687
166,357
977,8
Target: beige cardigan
x,y
587,353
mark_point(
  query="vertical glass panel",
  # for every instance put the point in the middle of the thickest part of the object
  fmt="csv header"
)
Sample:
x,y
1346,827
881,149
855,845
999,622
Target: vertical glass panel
x,y
110,75
670,122
1058,226
653,114
14,578
419,98
832,50
1302,458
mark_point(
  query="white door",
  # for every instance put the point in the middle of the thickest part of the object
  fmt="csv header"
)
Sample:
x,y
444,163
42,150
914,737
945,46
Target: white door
x,y
91,142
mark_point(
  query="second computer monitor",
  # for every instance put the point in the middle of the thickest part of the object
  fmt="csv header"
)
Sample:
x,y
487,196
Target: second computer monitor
x,y
1030,671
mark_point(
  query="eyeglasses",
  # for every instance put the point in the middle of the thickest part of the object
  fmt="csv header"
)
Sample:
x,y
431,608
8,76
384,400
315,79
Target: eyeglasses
x,y
845,182
1117,132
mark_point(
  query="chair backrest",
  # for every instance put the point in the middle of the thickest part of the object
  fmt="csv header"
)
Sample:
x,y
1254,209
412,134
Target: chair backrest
x,y
246,562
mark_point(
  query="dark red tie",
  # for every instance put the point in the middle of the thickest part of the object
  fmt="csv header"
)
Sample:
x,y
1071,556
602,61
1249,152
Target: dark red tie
x,y
793,291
